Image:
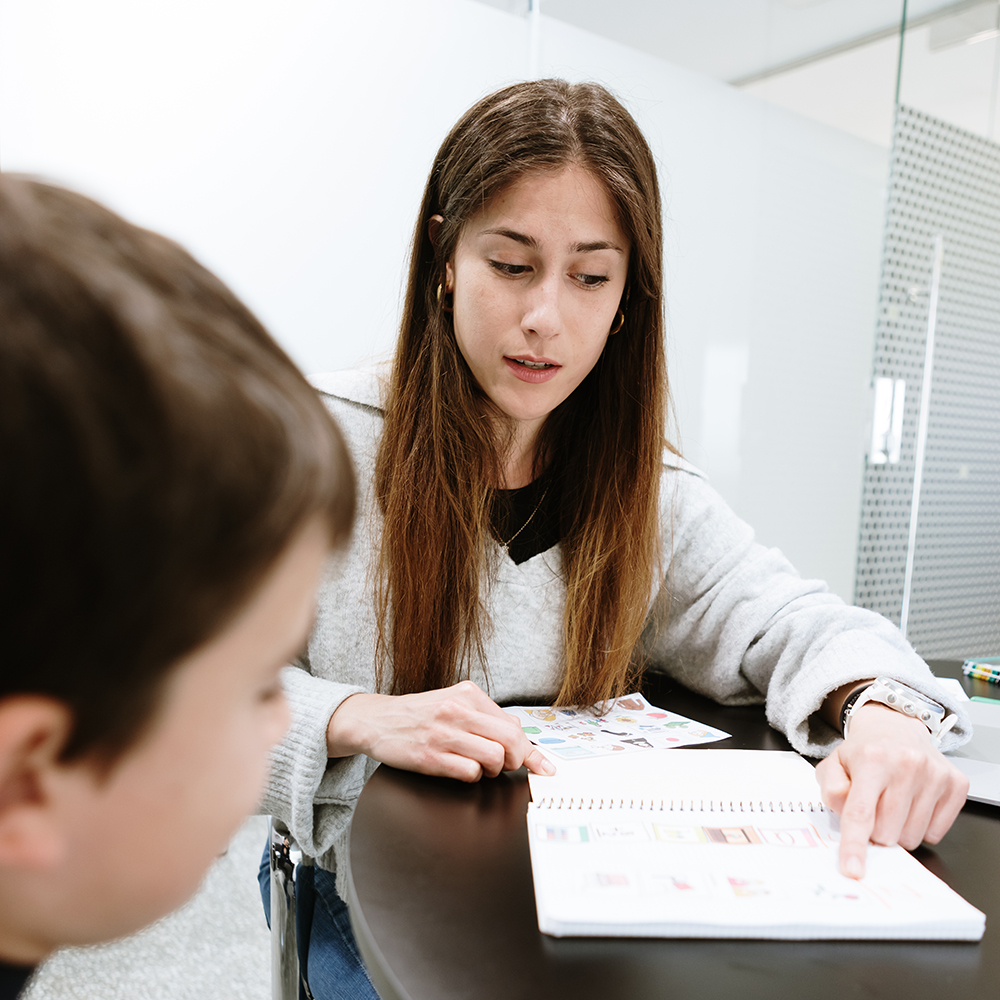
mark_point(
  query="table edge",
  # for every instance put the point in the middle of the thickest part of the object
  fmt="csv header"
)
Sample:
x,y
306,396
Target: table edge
x,y
376,964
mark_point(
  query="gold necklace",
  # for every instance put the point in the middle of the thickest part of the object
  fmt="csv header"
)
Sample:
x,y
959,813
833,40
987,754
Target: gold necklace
x,y
541,500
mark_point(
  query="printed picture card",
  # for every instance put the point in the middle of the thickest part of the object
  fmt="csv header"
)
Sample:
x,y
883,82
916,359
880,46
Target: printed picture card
x,y
628,724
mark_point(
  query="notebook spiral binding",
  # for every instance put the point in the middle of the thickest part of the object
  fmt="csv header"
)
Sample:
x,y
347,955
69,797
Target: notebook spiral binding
x,y
681,805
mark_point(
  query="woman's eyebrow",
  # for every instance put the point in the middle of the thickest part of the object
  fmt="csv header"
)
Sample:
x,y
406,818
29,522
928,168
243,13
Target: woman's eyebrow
x,y
511,234
530,241
596,245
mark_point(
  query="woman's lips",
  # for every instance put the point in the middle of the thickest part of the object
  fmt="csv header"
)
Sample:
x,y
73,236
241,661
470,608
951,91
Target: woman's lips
x,y
528,374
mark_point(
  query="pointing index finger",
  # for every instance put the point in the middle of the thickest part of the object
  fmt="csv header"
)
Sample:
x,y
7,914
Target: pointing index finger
x,y
856,824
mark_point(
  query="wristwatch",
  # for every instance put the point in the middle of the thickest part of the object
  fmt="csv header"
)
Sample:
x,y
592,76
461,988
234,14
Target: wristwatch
x,y
903,699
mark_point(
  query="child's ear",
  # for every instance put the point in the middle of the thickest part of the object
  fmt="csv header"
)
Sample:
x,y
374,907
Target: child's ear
x,y
33,730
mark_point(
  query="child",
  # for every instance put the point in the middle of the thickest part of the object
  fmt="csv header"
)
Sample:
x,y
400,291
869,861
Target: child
x,y
170,487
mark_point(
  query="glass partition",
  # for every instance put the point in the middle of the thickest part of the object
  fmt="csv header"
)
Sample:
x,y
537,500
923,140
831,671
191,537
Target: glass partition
x,y
950,67
929,552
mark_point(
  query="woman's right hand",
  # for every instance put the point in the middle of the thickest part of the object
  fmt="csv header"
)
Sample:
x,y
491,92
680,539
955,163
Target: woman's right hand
x,y
456,732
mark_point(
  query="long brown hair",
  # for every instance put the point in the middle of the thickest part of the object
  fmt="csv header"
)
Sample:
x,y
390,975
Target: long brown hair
x,y
438,460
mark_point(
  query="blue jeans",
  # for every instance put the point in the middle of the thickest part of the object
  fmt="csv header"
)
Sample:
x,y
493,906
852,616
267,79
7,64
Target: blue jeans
x,y
328,954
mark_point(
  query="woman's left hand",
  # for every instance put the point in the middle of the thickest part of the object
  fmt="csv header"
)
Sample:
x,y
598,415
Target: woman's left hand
x,y
890,785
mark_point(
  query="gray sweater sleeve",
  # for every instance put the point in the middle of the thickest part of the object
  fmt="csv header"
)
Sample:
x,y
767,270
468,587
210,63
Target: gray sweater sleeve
x,y
313,794
734,621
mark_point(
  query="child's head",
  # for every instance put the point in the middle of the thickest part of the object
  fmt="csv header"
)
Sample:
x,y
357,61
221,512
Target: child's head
x,y
169,488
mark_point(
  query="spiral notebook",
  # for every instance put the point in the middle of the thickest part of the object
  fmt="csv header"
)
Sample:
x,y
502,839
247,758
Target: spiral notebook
x,y
717,844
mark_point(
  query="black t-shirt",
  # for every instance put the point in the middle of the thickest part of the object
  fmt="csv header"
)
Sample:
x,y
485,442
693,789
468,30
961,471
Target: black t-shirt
x,y
13,979
526,520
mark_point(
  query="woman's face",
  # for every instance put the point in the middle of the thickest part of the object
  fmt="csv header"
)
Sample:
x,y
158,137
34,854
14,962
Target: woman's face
x,y
537,278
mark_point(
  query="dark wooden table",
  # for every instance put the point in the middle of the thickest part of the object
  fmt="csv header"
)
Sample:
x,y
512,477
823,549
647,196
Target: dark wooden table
x,y
443,906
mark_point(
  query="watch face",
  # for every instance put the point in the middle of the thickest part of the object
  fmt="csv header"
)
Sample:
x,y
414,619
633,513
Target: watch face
x,y
906,700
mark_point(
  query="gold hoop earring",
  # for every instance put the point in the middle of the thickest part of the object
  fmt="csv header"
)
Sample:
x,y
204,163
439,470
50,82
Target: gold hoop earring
x,y
619,322
441,299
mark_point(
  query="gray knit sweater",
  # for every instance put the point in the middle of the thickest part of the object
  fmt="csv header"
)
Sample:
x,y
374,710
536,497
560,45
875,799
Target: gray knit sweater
x,y
733,621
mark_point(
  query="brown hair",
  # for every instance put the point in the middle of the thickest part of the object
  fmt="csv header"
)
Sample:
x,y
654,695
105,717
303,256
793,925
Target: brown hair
x,y
438,458
158,452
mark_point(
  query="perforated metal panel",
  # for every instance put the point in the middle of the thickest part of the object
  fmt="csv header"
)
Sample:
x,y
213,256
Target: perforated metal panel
x,y
944,181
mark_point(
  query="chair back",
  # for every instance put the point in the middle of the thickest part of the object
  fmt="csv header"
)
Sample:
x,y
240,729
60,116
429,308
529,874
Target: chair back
x,y
286,858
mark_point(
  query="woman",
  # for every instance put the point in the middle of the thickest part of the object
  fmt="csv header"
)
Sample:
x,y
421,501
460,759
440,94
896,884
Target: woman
x,y
530,536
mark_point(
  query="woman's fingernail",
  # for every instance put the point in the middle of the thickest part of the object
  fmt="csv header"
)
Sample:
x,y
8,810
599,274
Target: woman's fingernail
x,y
853,868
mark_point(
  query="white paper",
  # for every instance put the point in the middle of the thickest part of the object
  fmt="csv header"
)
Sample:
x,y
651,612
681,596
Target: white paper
x,y
739,778
953,687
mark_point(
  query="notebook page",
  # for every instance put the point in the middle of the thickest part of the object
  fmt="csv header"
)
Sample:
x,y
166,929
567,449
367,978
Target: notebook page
x,y
683,776
694,874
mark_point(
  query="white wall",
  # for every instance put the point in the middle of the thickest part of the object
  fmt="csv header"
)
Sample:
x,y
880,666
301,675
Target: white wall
x,y
287,146
853,90
284,142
